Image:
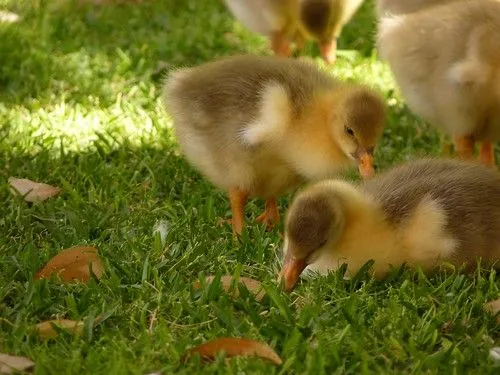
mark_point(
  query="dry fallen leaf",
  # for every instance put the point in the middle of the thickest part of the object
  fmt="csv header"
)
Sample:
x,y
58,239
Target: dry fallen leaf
x,y
235,347
46,329
493,307
10,364
252,285
73,264
33,191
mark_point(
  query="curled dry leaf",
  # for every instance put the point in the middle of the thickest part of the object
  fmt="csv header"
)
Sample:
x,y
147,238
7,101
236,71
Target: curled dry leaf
x,y
33,191
235,347
252,285
74,264
10,364
493,307
46,329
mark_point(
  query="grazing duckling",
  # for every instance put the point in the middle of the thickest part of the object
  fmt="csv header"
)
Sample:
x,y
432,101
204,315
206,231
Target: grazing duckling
x,y
446,60
420,213
256,126
284,21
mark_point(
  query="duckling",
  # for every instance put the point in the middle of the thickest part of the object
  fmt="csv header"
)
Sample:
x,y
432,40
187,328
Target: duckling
x,y
420,213
323,21
276,19
256,126
394,7
446,60
284,21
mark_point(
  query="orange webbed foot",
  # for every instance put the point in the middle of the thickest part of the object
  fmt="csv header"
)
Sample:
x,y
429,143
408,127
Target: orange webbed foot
x,y
487,154
280,44
329,51
271,215
465,146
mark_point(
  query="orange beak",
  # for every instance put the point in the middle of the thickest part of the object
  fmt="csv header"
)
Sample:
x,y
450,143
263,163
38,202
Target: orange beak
x,y
366,169
291,271
329,51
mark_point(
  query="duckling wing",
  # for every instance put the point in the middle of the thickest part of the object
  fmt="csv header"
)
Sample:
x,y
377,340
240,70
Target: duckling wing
x,y
467,194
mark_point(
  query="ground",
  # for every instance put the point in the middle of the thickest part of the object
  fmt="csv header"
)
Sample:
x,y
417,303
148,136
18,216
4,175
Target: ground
x,y
80,109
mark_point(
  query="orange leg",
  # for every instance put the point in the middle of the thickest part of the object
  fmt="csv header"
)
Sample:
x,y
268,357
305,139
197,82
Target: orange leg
x,y
271,214
238,200
487,154
329,51
465,146
280,44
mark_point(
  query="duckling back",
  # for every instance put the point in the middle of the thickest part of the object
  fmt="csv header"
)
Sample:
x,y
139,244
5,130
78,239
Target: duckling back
x,y
445,59
466,194
393,7
213,105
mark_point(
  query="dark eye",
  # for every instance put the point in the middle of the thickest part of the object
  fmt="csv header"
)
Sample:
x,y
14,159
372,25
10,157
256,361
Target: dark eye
x,y
349,131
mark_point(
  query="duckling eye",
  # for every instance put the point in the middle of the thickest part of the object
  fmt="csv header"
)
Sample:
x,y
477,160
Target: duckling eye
x,y
349,131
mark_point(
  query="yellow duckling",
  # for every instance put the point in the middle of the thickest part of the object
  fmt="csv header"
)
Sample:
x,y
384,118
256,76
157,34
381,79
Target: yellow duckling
x,y
421,213
284,21
257,126
446,60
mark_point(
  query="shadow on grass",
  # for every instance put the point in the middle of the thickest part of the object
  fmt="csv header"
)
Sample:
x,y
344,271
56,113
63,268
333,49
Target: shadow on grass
x,y
86,53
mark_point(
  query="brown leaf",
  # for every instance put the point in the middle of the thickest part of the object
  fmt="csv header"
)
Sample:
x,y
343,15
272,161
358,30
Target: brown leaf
x,y
10,364
33,191
493,307
46,329
235,347
73,264
252,285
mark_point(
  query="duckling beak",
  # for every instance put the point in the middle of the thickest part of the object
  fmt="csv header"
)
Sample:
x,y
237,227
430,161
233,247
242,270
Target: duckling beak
x,y
365,164
290,273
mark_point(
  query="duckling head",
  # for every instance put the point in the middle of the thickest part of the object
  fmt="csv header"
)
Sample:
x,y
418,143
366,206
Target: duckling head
x,y
357,125
315,221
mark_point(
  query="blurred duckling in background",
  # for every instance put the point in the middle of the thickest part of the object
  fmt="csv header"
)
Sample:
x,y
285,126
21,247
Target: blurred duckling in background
x,y
420,213
256,126
283,21
446,60
394,7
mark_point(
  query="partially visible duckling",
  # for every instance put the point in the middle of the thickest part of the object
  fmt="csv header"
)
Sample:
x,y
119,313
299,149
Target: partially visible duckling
x,y
276,19
446,60
421,213
284,21
394,7
256,126
323,21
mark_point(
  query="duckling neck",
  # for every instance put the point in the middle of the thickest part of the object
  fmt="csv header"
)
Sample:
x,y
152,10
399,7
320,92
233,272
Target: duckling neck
x,y
310,145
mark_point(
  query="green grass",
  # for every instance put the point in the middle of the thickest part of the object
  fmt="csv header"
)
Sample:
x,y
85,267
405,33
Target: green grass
x,y
80,108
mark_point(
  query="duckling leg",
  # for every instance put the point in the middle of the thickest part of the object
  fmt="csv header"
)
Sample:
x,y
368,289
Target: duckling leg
x,y
487,154
271,214
238,201
280,44
465,146
329,50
